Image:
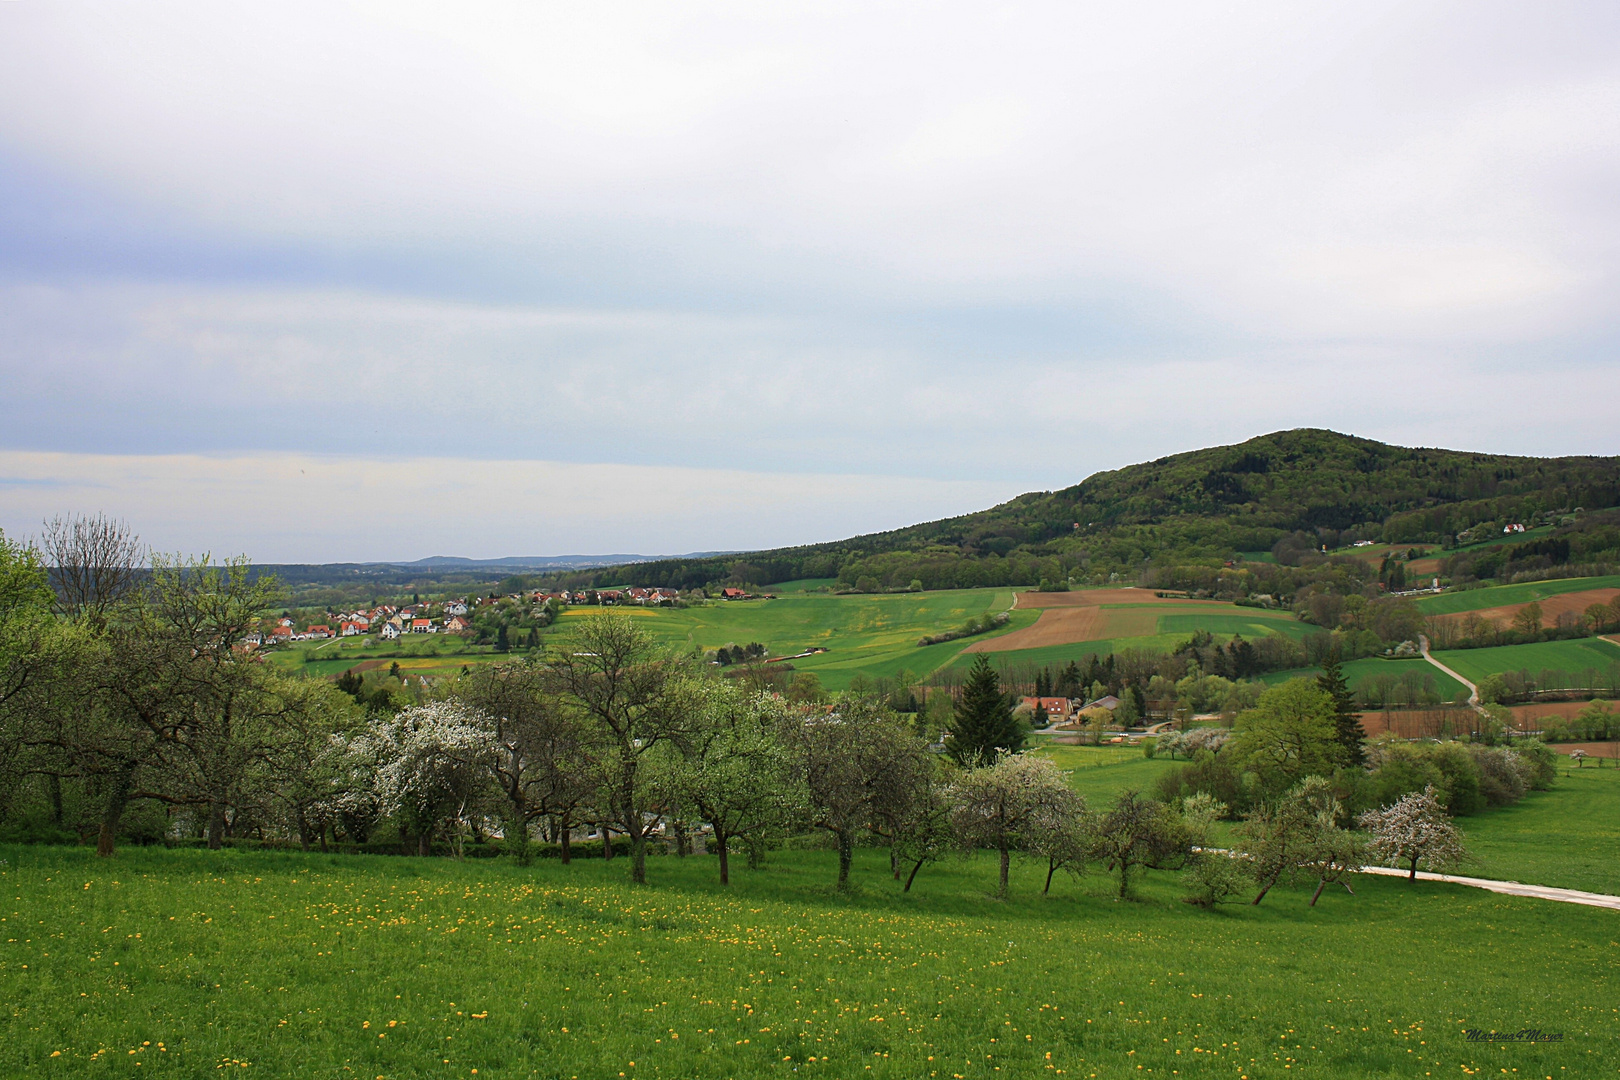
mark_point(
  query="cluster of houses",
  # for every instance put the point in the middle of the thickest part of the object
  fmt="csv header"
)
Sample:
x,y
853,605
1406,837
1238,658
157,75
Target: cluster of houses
x,y
633,595
392,621
1062,711
387,620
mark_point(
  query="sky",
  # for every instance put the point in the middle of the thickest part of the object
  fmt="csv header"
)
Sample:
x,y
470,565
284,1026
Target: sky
x,y
330,282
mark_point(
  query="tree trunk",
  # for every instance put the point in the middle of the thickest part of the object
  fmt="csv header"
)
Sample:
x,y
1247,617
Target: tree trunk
x,y
323,836
216,825
54,782
1413,875
1264,888
607,842
303,830
681,842
1320,885
846,855
1006,860
912,876
720,850
566,839
638,857
1051,868
424,844
894,862
117,799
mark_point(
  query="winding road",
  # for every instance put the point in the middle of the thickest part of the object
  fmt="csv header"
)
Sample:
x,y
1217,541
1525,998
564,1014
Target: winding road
x,y
1473,691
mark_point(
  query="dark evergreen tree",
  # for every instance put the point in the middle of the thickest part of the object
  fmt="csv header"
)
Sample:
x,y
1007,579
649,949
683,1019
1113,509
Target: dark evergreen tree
x,y
984,727
1346,718
503,643
1043,683
1068,683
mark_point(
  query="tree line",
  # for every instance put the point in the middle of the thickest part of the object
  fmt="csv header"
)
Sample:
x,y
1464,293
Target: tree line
x,y
132,700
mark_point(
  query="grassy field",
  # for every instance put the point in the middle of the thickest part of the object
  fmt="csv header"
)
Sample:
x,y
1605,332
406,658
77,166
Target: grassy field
x,y
1452,603
432,655
872,635
190,963
1573,656
1568,837
1358,671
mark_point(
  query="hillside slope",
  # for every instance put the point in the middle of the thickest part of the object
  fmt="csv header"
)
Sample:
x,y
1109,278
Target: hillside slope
x,y
1197,510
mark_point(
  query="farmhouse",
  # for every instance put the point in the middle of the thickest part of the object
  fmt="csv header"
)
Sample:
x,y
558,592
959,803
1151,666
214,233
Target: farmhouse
x,y
390,630
729,593
1057,709
455,624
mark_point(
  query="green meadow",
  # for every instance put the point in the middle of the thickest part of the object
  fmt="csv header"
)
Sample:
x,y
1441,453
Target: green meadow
x,y
186,963
1357,672
872,635
1574,656
1568,837
1453,603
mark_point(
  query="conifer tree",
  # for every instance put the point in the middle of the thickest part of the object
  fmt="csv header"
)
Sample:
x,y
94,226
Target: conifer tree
x,y
984,727
1346,719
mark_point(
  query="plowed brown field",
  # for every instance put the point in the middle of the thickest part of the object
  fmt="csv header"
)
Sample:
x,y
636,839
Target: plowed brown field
x,y
1096,598
1072,625
1551,607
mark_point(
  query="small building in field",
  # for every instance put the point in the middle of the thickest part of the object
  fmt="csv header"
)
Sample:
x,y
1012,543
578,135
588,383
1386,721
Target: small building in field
x,y
422,626
350,628
391,630
455,624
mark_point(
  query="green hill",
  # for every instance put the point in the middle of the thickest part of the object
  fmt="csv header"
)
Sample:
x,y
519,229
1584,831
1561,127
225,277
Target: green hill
x,y
1178,521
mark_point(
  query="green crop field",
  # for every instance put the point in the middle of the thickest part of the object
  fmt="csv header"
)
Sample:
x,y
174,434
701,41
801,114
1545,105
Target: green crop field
x,y
433,655
1452,603
1358,671
1573,656
868,634
188,963
1249,623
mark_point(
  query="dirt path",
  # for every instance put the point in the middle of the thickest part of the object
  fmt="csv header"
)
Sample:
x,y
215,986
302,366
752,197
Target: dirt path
x,y
1511,888
1473,691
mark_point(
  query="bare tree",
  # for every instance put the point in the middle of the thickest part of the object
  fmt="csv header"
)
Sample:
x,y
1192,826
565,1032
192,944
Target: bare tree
x,y
94,563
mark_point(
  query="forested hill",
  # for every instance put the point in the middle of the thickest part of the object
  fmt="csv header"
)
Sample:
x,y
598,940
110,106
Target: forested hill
x,y
1197,510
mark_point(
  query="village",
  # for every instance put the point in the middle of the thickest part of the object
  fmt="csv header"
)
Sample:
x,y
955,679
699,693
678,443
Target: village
x,y
455,615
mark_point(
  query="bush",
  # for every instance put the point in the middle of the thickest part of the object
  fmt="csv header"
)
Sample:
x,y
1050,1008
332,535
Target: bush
x,y
1209,774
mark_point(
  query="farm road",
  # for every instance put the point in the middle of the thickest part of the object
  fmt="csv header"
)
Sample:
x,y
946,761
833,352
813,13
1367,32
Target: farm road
x,y
1511,888
1473,691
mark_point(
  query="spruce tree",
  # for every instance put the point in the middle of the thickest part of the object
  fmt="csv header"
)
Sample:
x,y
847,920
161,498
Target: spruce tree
x,y
984,726
1346,718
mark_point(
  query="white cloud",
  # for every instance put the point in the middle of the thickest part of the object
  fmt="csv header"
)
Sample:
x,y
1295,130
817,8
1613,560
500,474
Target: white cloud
x,y
308,508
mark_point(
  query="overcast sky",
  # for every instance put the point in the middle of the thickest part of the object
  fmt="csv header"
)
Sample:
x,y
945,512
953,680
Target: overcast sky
x,y
318,282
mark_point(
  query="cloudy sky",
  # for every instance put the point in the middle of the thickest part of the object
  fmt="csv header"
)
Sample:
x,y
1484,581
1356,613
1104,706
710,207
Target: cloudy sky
x,y
329,281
